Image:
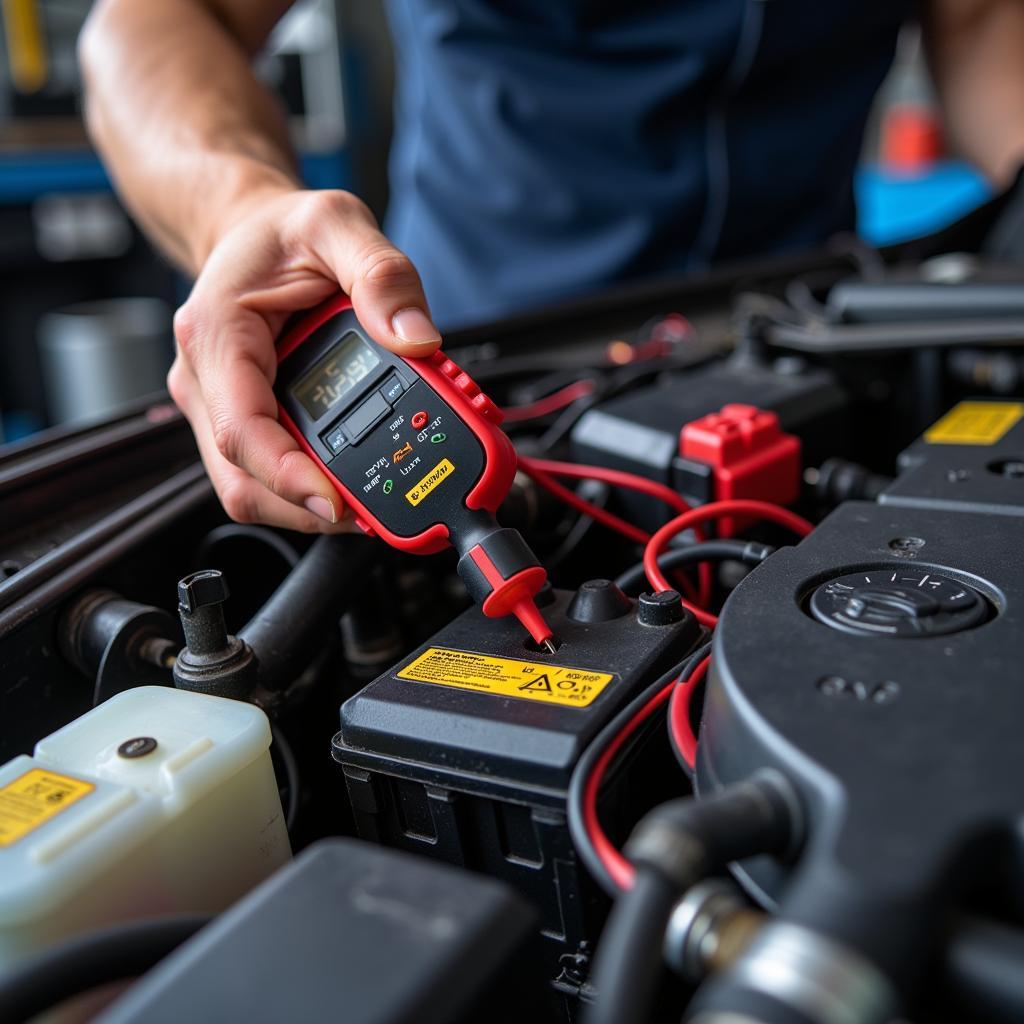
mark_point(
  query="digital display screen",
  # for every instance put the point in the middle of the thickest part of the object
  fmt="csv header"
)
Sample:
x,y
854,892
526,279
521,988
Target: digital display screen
x,y
334,377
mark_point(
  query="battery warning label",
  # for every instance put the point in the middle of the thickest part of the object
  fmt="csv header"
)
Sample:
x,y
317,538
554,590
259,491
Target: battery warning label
x,y
507,677
33,799
429,483
975,423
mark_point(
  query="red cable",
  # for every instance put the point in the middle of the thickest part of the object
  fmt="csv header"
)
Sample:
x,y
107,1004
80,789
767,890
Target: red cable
x,y
618,867
615,477
573,500
543,471
600,515
679,694
714,510
683,736
550,403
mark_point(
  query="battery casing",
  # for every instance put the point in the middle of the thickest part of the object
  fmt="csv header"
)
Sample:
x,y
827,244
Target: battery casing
x,y
479,779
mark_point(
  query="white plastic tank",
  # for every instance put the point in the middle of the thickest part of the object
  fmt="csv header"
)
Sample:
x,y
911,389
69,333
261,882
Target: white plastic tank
x,y
157,801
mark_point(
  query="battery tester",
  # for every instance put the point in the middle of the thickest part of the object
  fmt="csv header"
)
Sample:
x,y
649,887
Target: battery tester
x,y
414,448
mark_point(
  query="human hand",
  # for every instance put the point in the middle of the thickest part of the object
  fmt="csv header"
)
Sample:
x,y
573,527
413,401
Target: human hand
x,y
287,251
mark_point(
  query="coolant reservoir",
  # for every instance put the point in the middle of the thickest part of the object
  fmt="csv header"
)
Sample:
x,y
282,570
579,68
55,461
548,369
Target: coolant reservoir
x,y
157,801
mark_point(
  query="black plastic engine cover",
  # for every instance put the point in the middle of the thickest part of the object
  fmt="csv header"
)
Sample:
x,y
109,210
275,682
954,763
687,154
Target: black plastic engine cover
x,y
906,747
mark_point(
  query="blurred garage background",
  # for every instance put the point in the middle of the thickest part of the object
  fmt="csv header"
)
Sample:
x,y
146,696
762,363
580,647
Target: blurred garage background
x,y
85,303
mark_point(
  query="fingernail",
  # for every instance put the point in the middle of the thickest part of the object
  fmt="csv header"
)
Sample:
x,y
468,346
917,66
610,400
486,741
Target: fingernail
x,y
414,326
322,507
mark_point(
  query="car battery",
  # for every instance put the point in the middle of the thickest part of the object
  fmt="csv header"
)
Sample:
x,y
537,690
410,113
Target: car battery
x,y
464,750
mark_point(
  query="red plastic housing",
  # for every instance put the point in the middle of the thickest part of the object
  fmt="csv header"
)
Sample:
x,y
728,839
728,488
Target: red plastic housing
x,y
750,456
455,387
513,596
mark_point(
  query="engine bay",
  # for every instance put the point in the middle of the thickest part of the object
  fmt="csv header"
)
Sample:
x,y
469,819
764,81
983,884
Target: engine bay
x,y
768,772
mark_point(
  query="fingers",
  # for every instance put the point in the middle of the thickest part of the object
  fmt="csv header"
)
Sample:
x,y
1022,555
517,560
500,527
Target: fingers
x,y
384,286
246,499
285,257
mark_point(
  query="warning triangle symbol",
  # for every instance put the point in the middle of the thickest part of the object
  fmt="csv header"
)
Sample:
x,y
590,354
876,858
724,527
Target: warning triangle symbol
x,y
541,683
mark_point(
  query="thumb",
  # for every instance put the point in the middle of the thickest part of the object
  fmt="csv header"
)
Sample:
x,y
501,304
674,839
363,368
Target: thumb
x,y
384,286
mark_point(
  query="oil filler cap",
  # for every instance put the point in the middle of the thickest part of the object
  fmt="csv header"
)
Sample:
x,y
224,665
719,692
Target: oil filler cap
x,y
897,603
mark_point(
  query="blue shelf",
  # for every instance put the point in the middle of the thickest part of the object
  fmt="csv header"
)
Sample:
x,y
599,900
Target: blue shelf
x,y
25,176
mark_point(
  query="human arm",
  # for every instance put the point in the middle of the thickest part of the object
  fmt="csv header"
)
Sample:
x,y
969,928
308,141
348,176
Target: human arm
x,y
198,150
975,50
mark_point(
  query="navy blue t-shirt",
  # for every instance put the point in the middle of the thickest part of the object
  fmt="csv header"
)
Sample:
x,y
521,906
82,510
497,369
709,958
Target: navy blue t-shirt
x,y
545,148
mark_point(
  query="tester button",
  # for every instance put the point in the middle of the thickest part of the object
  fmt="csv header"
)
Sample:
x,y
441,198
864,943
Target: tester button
x,y
366,415
419,420
335,439
392,390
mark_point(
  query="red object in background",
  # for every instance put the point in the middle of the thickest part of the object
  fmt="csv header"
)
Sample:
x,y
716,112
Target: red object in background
x,y
750,456
911,139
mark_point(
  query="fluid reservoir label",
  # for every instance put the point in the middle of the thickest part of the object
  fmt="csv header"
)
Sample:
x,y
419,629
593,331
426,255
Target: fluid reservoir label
x,y
33,799
975,423
507,677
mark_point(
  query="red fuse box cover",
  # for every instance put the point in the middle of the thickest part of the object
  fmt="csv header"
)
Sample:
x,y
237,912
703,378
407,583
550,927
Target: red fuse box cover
x,y
749,453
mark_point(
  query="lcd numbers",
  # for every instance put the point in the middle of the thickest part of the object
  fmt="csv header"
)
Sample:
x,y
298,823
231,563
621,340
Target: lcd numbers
x,y
335,375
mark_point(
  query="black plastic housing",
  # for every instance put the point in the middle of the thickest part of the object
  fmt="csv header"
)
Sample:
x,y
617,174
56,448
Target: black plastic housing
x,y
480,780
639,431
353,933
965,477
906,749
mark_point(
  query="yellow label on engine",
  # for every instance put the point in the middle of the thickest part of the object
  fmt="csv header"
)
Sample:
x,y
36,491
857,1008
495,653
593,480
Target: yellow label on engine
x,y
975,423
507,677
33,799
430,482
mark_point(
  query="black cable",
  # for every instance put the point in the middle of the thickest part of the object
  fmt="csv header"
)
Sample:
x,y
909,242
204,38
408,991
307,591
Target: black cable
x,y
87,961
597,494
684,677
868,260
674,847
627,966
983,970
569,417
245,531
492,370
800,295
293,780
290,628
585,767
748,552
625,378
839,339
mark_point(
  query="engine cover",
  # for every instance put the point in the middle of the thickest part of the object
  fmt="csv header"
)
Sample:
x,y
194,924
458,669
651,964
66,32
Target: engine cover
x,y
878,665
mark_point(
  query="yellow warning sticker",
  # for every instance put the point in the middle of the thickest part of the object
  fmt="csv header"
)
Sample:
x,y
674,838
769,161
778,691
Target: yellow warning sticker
x,y
975,423
507,677
429,483
33,799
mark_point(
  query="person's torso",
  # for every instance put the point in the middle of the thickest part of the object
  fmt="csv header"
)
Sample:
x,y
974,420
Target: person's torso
x,y
544,148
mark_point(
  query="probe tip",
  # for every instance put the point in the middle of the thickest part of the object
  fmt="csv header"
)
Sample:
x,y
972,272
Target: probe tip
x,y
548,645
